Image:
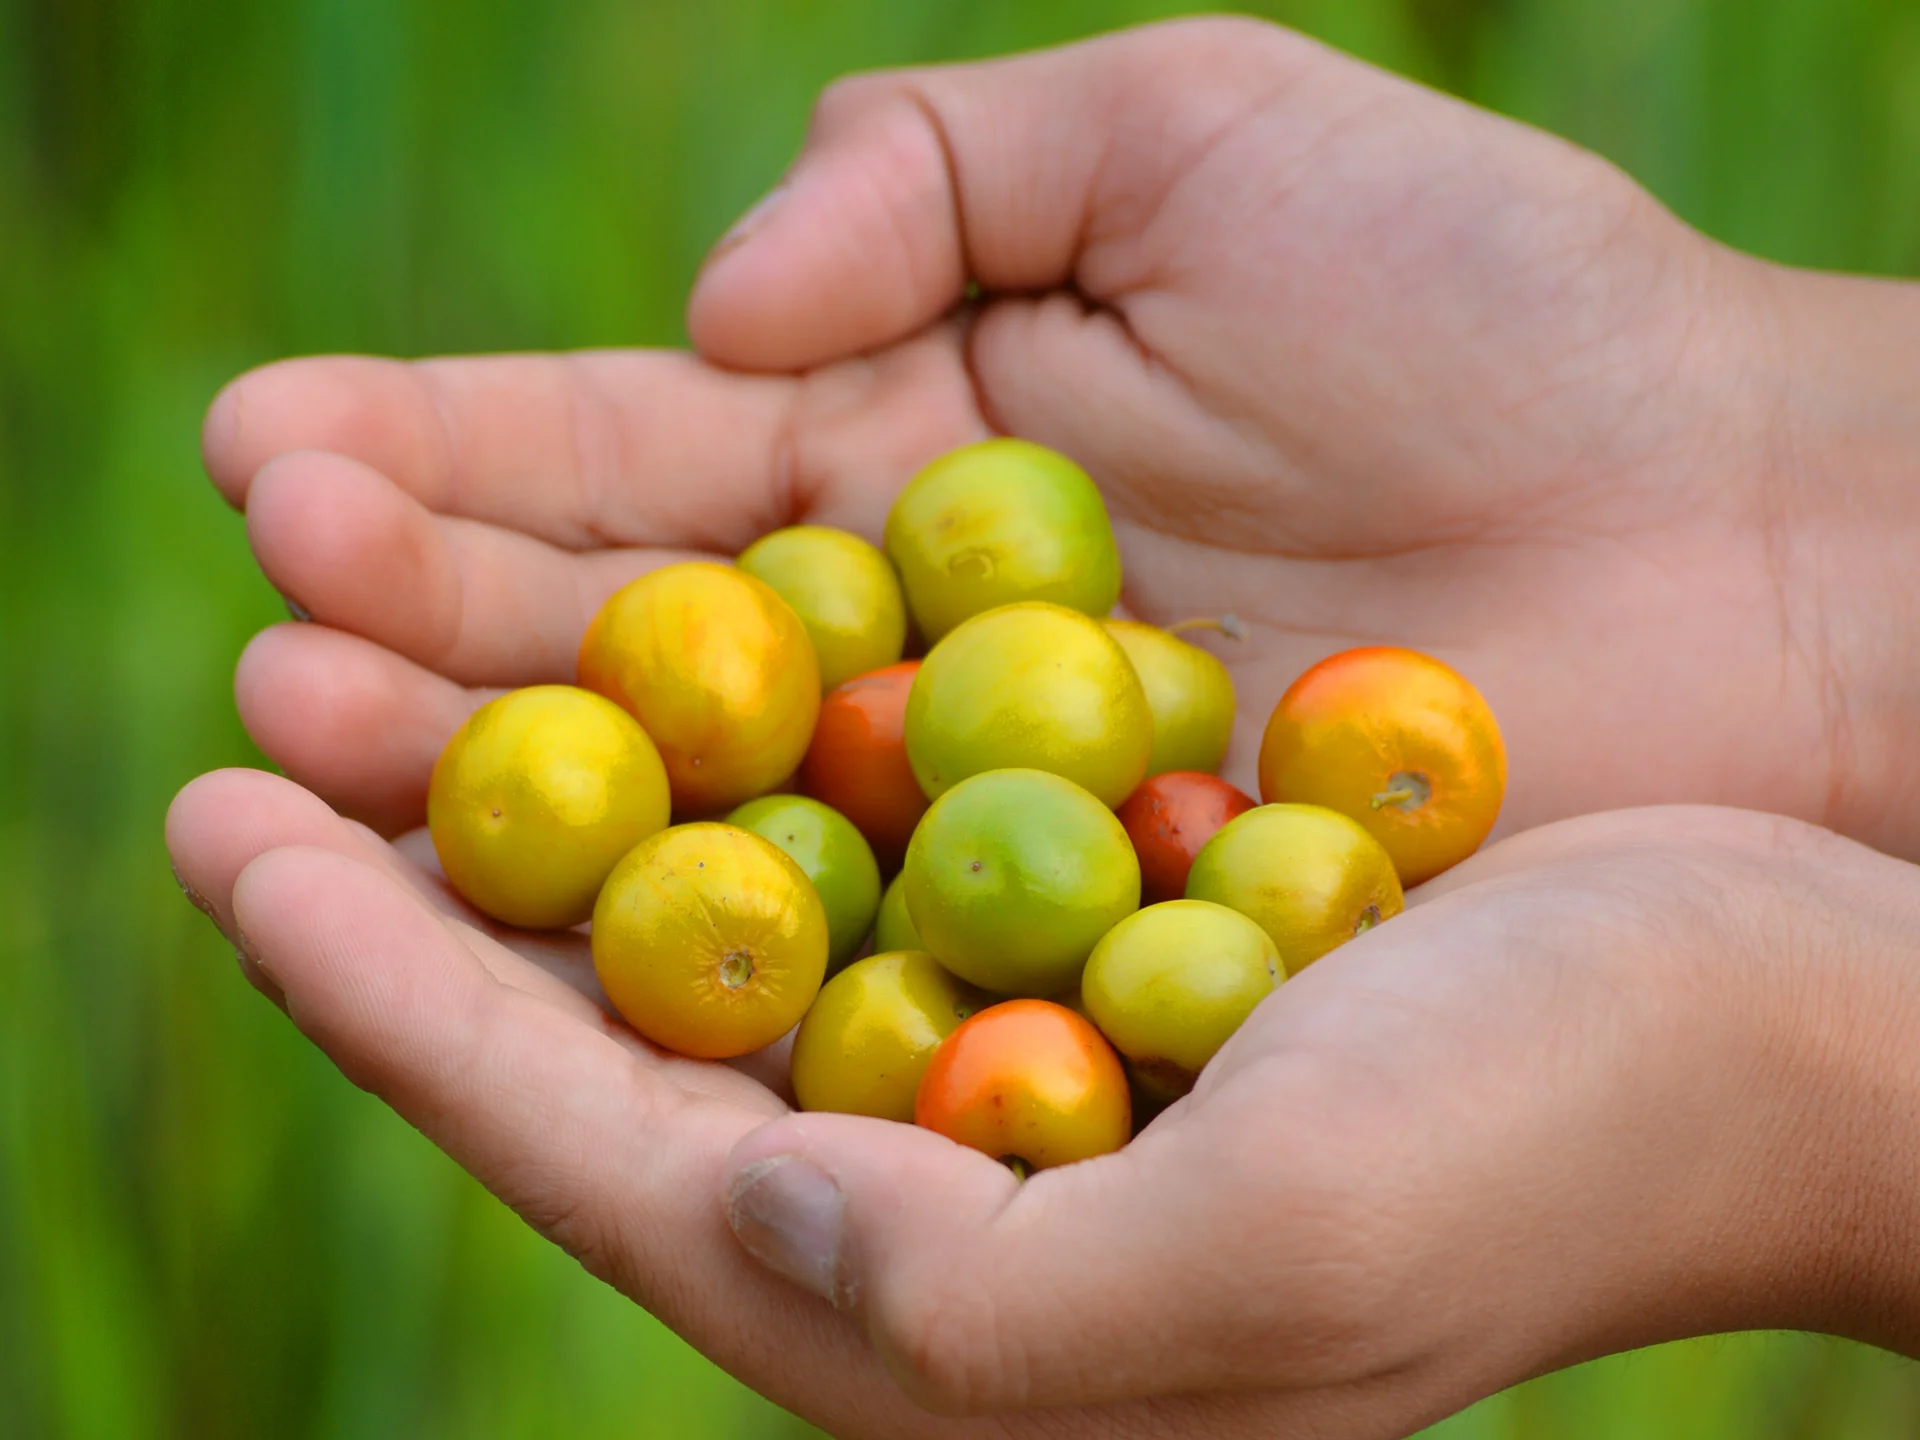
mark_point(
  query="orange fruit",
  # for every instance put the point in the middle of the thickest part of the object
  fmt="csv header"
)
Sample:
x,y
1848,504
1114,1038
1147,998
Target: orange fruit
x,y
1028,1082
1398,742
718,670
857,760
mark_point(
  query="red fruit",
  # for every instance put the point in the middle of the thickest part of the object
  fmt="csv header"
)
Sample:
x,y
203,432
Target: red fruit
x,y
857,762
1168,819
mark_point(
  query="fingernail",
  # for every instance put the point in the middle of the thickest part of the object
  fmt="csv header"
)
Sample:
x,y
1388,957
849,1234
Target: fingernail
x,y
255,970
194,897
744,228
297,610
790,1215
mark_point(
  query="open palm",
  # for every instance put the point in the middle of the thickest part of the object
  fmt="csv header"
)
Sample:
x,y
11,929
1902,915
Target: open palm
x,y
1348,360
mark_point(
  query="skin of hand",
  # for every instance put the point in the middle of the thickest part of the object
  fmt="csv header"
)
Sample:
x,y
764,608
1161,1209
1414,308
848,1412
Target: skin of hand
x,y
1356,363
1617,1080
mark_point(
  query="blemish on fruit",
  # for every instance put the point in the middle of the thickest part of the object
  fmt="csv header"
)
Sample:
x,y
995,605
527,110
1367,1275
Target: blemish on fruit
x,y
1369,918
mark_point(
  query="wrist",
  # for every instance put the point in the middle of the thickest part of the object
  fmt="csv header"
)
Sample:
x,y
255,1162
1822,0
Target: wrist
x,y
1812,1219
1842,397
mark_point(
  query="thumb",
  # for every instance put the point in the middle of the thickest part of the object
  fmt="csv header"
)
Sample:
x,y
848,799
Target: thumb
x,y
1006,173
1133,1274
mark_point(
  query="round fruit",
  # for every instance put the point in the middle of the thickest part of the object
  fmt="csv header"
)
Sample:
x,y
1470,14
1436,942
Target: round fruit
x,y
709,940
866,1042
1168,819
893,929
537,797
1030,686
857,762
822,842
844,592
1311,878
1169,984
1028,1082
719,671
1014,876
1397,741
996,522
1189,692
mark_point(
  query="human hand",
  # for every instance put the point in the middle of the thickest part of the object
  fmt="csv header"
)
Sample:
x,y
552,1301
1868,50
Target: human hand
x,y
1618,1080
1349,359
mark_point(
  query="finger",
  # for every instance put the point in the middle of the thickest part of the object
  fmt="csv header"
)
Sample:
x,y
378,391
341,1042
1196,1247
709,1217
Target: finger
x,y
1109,1279
479,604
219,823
1016,174
611,449
579,449
587,1139
354,723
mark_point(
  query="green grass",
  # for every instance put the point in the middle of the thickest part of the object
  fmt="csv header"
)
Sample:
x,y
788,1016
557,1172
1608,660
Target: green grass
x,y
204,1231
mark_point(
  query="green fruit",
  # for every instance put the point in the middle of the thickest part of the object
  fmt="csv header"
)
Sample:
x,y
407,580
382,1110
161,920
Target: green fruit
x,y
844,592
996,522
835,856
1310,877
1170,983
894,929
1189,692
865,1043
1013,877
1030,686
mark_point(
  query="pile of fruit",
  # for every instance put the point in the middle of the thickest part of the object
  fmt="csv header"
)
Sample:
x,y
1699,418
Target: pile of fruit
x,y
1028,784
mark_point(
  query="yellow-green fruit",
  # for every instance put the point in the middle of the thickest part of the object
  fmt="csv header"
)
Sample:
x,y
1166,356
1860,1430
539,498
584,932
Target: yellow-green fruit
x,y
835,856
864,1045
1035,687
1189,692
709,940
844,592
1013,877
1169,984
1311,878
894,929
996,522
535,799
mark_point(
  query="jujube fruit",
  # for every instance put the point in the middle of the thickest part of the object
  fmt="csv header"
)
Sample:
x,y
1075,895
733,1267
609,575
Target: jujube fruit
x,y
535,799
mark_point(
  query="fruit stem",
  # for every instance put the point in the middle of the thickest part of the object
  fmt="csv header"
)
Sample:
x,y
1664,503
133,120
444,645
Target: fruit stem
x,y
1021,1169
1393,797
1230,626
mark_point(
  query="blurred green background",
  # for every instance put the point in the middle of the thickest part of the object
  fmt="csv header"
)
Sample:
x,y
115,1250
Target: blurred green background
x,y
204,1231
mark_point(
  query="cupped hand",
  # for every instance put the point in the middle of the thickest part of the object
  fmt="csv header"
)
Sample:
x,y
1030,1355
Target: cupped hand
x,y
1627,1078
1349,360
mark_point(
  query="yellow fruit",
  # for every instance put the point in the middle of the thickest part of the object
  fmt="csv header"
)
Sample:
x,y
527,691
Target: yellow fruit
x,y
536,798
1311,878
709,940
1189,692
866,1042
